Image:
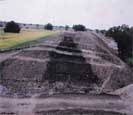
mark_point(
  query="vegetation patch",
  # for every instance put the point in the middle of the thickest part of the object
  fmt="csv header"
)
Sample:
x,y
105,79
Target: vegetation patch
x,y
13,40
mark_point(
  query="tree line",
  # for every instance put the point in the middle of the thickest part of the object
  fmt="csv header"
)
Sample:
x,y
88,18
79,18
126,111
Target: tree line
x,y
123,36
15,28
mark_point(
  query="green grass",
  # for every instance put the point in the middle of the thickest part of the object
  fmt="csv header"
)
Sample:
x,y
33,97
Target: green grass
x,y
10,41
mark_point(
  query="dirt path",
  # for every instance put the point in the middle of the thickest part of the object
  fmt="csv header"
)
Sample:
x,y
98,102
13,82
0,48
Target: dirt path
x,y
67,102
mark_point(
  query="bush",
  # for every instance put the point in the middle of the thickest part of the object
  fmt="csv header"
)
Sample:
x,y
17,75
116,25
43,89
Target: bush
x,y
12,27
79,28
66,27
48,26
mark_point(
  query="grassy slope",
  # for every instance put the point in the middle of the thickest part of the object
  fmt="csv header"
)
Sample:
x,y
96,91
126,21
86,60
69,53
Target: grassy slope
x,y
12,40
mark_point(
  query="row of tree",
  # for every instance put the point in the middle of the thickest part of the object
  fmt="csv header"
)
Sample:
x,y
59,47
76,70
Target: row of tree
x,y
79,27
14,27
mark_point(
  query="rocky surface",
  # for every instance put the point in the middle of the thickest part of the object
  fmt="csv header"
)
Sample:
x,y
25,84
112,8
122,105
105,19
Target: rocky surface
x,y
71,64
126,94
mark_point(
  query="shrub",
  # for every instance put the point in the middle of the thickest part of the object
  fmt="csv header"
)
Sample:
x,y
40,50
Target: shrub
x,y
12,27
79,27
48,26
66,27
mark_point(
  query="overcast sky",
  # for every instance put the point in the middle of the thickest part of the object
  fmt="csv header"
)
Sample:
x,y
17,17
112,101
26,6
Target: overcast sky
x,y
100,14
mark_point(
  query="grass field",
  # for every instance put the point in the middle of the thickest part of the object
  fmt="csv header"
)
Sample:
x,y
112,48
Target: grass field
x,y
10,40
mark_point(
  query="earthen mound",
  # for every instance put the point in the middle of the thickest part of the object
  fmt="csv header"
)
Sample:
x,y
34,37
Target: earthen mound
x,y
71,63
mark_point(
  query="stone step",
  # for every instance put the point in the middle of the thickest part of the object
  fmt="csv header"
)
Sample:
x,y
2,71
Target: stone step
x,y
78,112
86,51
55,53
94,56
61,47
83,63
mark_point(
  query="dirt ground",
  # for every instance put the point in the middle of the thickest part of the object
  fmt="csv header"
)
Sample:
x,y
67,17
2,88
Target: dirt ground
x,y
112,105
104,104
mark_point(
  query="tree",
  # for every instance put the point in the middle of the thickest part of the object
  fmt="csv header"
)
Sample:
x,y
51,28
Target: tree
x,y
66,27
123,35
12,27
1,25
37,26
48,26
103,31
79,27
